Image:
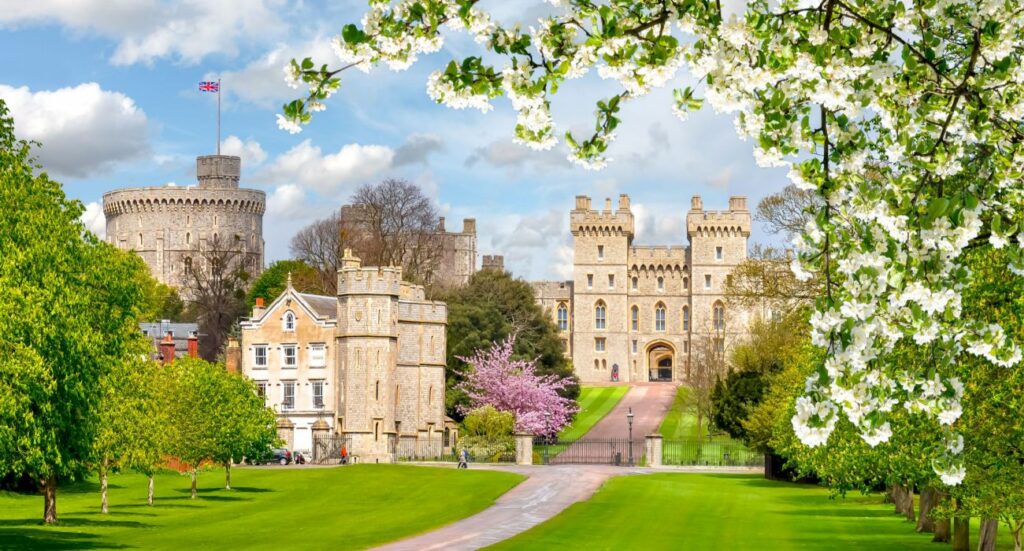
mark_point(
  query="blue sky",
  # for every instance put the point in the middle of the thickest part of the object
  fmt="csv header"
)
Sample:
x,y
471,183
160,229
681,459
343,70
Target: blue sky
x,y
110,89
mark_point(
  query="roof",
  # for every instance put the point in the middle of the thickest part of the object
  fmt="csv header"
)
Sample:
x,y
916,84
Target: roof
x,y
324,306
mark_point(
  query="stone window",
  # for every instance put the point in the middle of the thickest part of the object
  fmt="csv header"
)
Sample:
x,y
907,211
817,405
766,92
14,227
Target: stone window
x,y
318,394
261,389
707,281
600,252
634,318
563,317
259,353
634,346
590,281
188,264
288,402
686,347
686,318
718,253
635,282
289,321
376,391
718,312
659,317
188,238
686,283
289,355
611,281
661,283
140,240
317,355
599,344
599,315
720,345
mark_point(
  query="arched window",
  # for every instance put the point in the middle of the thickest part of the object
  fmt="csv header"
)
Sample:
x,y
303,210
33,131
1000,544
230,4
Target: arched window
x,y
289,321
188,238
140,239
659,317
634,282
599,312
686,318
686,283
634,317
661,283
188,264
563,317
719,316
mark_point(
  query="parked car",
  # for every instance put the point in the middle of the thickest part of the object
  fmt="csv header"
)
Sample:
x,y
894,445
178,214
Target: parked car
x,y
279,455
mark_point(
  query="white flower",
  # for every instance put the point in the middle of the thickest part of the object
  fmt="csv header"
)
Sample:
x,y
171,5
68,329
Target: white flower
x,y
878,435
287,124
997,241
952,476
292,75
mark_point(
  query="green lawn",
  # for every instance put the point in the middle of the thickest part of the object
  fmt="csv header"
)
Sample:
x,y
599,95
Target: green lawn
x,y
277,508
679,431
595,402
706,511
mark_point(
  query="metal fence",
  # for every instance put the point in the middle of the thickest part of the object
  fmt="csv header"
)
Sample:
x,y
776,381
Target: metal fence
x,y
585,451
713,454
411,451
327,448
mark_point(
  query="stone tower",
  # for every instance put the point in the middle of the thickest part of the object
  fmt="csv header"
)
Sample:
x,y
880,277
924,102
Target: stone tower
x,y
600,328
170,226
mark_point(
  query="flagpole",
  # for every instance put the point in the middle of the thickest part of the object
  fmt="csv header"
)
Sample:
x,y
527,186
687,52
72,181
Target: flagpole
x,y
218,116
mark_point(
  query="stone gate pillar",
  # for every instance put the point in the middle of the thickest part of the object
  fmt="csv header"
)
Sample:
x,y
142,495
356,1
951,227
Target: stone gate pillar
x,y
524,449
653,450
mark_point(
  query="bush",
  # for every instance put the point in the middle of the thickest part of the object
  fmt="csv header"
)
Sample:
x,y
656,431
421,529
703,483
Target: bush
x,y
488,433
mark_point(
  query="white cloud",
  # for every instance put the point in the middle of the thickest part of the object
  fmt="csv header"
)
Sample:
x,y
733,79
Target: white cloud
x,y
261,82
417,148
147,30
94,219
306,165
83,130
286,201
504,153
250,151
661,225
534,245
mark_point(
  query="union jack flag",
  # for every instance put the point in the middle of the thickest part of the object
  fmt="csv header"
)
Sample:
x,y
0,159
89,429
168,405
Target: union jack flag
x,y
207,86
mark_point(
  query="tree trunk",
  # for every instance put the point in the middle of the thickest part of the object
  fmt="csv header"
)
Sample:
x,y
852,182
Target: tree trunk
x,y
908,503
961,531
194,474
49,487
987,534
943,529
103,486
227,475
929,497
896,495
149,495
1018,541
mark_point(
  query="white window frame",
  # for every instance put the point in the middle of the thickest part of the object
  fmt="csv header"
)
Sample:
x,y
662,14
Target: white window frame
x,y
600,315
285,385
256,356
289,315
659,318
316,349
634,318
284,356
562,314
599,344
317,385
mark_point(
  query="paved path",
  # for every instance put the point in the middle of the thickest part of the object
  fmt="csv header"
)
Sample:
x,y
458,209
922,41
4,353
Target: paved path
x,y
547,491
650,402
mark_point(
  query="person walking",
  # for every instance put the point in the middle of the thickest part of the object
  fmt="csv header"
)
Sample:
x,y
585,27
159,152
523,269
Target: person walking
x,y
344,455
463,459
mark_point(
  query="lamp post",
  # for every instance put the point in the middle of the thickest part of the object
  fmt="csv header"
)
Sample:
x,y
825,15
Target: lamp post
x,y
629,421
547,434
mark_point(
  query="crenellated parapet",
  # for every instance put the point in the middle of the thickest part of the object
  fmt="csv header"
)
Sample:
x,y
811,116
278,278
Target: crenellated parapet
x,y
734,222
181,200
585,221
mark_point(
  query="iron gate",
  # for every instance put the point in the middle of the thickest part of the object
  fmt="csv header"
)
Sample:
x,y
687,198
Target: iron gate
x,y
327,448
588,451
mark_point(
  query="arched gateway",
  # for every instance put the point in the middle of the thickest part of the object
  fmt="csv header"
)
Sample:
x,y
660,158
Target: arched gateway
x,y
661,357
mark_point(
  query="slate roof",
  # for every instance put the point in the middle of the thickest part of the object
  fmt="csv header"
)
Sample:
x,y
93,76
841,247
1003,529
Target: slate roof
x,y
324,306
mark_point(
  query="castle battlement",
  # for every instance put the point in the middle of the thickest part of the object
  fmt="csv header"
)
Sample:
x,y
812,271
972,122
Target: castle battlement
x,y
583,220
735,221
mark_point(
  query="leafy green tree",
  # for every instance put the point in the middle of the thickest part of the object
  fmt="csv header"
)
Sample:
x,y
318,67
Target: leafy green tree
x,y
150,431
272,281
488,432
245,427
69,307
193,401
492,306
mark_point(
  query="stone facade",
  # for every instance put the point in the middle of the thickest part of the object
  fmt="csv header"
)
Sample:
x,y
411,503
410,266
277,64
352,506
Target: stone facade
x,y
168,226
632,313
493,262
375,354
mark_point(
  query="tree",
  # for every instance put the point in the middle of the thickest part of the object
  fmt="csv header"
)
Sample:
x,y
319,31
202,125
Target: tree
x,y
194,399
490,308
272,281
764,282
245,426
68,311
321,245
707,365
216,278
924,97
510,385
151,427
488,432
789,211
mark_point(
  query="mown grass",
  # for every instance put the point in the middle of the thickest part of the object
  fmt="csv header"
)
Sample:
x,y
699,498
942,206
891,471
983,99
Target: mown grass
x,y
595,402
352,507
694,512
679,434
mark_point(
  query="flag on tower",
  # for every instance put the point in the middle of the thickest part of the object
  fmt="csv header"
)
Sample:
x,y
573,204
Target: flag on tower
x,y
207,86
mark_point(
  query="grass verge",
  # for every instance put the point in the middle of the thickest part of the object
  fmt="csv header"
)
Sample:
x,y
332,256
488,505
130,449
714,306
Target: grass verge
x,y
595,402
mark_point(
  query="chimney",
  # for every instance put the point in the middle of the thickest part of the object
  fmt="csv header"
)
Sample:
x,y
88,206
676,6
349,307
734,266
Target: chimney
x,y
738,203
469,225
440,224
193,345
233,356
167,348
582,202
607,204
696,203
258,309
623,202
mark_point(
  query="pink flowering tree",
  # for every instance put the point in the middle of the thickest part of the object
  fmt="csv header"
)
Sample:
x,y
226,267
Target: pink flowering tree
x,y
514,386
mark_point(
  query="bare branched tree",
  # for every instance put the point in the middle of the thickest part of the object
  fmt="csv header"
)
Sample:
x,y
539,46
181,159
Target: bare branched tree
x,y
322,245
707,364
788,211
765,280
216,276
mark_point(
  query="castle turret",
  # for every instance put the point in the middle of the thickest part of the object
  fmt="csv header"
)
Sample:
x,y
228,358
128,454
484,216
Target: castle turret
x,y
218,171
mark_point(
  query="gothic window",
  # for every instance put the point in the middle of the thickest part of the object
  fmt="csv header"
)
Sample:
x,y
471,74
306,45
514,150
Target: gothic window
x,y
686,283
599,315
661,283
188,264
659,317
719,316
563,317
634,315
635,281
686,318
289,321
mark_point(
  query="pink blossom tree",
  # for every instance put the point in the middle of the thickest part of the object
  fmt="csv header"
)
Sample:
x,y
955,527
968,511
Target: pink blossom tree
x,y
514,386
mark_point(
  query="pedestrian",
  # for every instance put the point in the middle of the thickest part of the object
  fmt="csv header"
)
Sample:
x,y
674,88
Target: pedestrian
x,y
464,459
344,455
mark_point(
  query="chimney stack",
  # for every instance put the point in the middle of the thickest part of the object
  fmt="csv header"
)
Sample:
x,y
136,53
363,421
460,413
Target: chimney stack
x,y
232,356
167,348
258,309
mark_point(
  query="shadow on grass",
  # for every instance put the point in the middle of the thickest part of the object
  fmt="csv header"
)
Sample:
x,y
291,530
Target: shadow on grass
x,y
851,512
65,522
45,538
250,490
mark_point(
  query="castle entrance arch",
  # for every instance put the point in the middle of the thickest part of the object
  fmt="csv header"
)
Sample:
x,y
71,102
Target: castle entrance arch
x,y
661,359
